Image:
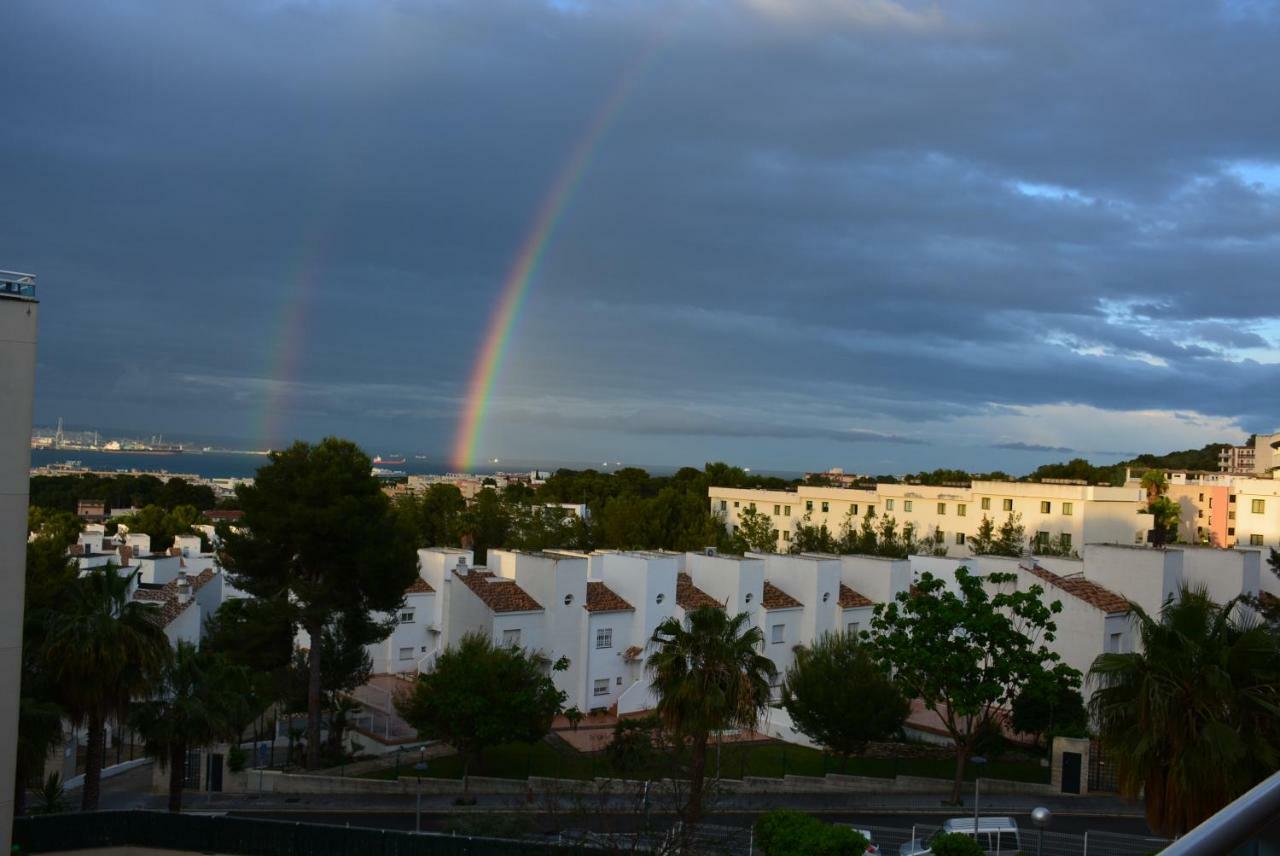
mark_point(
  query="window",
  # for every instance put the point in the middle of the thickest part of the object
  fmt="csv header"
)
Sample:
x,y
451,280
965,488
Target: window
x,y
786,511
406,653
1202,497
1231,515
406,617
601,687
1231,530
604,637
1065,539
888,505
1042,540
826,596
939,537
871,511
619,680
660,598
1045,507
786,535
747,597
1113,644
777,509
1255,540
568,599
986,503
751,505
1138,537
1211,502
736,503
1006,504
906,505
1258,506
854,627
808,505
942,508
778,633
853,509
724,506
960,538
961,508
511,638
1231,498
775,534
826,506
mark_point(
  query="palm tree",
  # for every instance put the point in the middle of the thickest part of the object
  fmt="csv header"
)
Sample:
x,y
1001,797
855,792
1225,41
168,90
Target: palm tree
x,y
102,650
1193,720
1155,482
200,698
708,675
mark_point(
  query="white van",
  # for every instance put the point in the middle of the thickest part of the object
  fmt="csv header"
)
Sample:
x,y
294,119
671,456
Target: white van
x,y
997,836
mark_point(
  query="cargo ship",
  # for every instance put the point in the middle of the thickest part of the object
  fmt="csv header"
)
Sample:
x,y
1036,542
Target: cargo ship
x,y
393,460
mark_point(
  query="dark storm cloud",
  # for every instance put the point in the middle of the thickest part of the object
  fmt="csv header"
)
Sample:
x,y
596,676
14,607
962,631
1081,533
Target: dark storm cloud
x,y
826,222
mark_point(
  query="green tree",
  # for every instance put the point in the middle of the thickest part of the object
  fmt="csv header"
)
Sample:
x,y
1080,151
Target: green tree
x,y
632,748
199,699
1190,719
955,844
888,542
1012,537
101,650
478,695
965,654
161,524
858,536
257,634
812,539
435,516
486,523
39,732
1165,515
791,833
708,675
756,530
1050,704
841,697
984,541
319,539
60,527
1155,483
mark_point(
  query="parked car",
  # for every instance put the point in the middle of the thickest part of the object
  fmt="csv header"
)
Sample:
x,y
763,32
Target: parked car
x,y
997,836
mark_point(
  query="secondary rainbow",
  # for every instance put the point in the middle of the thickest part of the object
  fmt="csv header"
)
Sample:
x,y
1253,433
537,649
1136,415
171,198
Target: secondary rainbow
x,y
522,272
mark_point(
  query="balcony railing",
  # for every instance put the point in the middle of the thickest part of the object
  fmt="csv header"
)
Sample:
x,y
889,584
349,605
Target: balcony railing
x,y
1250,825
14,284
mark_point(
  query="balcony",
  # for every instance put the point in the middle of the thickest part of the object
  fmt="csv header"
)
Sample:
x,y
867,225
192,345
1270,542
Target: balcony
x,y
18,285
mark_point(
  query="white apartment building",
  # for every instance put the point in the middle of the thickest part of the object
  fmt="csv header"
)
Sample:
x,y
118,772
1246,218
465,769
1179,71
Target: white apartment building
x,y
1077,513
1260,456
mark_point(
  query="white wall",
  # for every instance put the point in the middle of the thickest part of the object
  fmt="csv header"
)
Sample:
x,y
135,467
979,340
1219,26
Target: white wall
x,y
813,581
880,579
735,580
551,578
1143,575
783,653
605,663
413,635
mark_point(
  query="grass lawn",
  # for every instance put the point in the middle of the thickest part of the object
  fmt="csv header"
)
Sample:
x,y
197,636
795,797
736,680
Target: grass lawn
x,y
772,759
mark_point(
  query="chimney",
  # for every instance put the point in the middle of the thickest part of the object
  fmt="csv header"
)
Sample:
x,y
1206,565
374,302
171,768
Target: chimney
x,y
183,587
710,551
462,564
126,555
175,550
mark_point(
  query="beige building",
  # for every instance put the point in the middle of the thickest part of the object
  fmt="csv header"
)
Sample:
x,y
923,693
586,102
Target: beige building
x,y
1224,510
1260,456
1074,512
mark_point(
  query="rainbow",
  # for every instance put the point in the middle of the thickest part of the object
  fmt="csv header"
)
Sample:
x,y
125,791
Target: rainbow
x,y
285,356
533,249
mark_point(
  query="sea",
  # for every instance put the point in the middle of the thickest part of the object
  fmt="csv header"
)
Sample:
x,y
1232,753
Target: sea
x,y
244,464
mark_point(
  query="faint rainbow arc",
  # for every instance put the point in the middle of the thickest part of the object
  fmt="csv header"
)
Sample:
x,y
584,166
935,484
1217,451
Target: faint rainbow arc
x,y
282,365
532,250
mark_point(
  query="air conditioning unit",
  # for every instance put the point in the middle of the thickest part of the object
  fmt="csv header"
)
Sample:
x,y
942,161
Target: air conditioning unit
x,y
710,551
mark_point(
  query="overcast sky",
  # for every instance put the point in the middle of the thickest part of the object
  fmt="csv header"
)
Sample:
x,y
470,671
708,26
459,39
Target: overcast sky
x,y
816,233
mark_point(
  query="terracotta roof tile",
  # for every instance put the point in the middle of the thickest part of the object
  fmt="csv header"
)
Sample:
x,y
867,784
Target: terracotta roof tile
x,y
850,598
1269,601
420,586
1086,590
601,598
635,652
689,596
775,598
498,593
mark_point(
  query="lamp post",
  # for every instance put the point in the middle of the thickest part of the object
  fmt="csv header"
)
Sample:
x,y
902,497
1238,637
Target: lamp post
x,y
419,768
1040,816
977,761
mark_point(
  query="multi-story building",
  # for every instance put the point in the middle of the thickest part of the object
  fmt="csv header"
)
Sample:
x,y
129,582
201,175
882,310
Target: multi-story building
x,y
1224,510
1071,514
19,312
1259,456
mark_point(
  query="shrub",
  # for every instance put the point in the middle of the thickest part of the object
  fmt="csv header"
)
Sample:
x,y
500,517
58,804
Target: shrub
x,y
955,844
792,833
235,759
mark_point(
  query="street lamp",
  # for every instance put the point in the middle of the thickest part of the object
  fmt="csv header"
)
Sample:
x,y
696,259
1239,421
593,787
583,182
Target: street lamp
x,y
1040,816
420,768
977,761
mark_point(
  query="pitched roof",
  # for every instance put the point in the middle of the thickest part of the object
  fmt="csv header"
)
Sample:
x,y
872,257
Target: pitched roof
x,y
500,594
689,596
1086,590
419,586
850,598
166,596
601,598
775,598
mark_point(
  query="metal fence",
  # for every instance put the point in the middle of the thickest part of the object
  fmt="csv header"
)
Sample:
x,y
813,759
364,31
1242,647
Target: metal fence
x,y
1033,842
248,836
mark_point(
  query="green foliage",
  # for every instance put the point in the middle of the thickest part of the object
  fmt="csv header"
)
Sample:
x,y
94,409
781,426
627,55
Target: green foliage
x,y
51,797
709,675
236,758
99,651
812,539
1165,514
60,527
1050,704
486,523
633,746
318,539
1205,458
435,517
1011,538
955,844
199,698
481,695
122,491
1190,719
792,833
755,530
966,654
984,541
256,633
841,697
161,524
